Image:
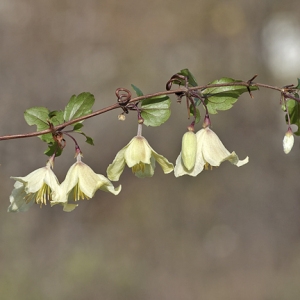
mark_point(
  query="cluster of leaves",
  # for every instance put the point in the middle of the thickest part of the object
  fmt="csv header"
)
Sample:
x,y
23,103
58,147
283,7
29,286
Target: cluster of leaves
x,y
154,110
77,107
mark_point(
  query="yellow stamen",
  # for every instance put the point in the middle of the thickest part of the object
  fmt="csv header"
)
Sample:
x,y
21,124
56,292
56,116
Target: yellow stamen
x,y
41,196
207,166
138,167
78,194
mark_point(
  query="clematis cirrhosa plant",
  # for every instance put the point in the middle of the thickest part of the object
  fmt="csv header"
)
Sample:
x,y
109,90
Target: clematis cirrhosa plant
x,y
139,156
209,151
81,183
37,187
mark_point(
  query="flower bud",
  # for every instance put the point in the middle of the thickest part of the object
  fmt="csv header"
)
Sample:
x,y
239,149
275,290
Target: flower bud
x,y
121,117
288,141
189,150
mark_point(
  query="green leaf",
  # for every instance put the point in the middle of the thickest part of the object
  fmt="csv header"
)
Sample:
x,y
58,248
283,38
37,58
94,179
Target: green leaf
x,y
56,117
156,110
46,137
39,116
52,147
223,98
293,108
137,90
197,113
79,106
88,140
298,86
190,77
77,126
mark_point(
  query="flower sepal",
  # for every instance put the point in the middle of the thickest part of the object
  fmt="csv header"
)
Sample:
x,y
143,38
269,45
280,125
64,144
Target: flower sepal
x,y
81,183
140,157
210,151
37,187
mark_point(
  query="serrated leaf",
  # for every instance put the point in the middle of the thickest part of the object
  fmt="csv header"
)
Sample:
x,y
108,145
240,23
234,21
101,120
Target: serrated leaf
x,y
137,90
156,110
79,106
39,116
223,98
293,108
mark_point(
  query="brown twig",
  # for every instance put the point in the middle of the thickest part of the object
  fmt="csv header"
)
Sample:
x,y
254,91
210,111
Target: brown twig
x,y
120,104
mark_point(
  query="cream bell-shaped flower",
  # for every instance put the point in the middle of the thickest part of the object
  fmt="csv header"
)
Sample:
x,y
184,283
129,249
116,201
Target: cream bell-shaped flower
x,y
81,183
210,151
139,156
288,141
37,187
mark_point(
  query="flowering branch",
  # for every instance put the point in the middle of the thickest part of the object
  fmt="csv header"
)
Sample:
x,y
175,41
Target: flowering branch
x,y
199,151
285,91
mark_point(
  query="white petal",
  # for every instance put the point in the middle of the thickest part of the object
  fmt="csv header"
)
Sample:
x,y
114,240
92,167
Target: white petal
x,y
234,159
116,168
88,180
71,179
166,166
81,176
213,150
107,186
180,169
69,207
17,199
33,181
138,150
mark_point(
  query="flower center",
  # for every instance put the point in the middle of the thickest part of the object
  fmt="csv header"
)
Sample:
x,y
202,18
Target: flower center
x,y
138,167
207,166
41,196
78,194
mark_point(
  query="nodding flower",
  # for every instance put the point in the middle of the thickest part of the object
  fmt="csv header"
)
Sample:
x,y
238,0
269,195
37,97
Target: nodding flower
x,y
81,183
208,151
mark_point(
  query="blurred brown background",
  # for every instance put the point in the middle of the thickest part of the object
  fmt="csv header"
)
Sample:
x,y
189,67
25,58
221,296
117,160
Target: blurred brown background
x,y
228,234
